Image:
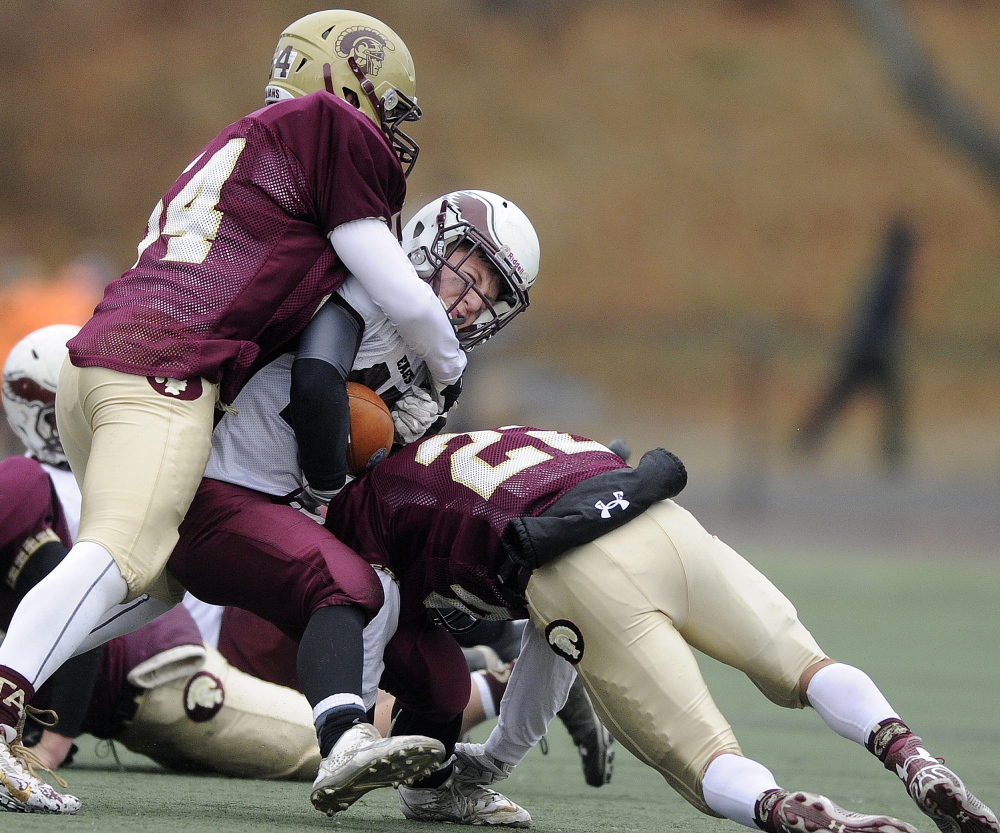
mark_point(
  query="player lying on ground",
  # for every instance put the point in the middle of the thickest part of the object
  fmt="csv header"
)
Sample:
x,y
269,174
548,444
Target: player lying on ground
x,y
622,582
247,243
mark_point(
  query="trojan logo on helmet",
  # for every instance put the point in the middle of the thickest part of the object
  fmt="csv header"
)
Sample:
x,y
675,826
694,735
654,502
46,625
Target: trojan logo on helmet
x,y
366,46
354,57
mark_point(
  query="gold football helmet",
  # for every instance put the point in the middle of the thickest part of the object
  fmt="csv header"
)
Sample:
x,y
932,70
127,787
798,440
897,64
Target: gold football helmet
x,y
356,57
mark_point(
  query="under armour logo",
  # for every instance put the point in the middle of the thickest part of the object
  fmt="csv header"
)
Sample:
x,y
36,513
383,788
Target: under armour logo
x,y
607,507
175,387
838,826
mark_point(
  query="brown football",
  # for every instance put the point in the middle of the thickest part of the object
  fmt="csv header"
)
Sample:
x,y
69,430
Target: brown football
x,y
372,429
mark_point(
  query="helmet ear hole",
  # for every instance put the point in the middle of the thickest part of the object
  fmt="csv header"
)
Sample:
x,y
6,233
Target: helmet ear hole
x,y
351,98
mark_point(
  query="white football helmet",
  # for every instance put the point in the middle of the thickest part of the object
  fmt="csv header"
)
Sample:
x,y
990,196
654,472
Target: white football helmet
x,y
30,376
490,225
353,56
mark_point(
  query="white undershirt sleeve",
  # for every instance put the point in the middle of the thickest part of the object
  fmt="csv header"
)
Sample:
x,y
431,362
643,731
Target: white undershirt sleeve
x,y
537,690
370,250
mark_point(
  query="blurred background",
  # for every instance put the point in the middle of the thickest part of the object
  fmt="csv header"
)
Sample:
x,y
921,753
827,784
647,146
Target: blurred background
x,y
770,228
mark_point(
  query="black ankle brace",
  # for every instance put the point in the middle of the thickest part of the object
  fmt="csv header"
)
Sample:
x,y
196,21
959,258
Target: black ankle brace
x,y
335,723
884,735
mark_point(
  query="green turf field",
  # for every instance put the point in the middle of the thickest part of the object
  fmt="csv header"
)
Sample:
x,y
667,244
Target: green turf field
x,y
925,630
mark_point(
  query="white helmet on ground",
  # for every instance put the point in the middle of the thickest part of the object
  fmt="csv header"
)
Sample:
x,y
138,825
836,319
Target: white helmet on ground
x,y
491,226
30,376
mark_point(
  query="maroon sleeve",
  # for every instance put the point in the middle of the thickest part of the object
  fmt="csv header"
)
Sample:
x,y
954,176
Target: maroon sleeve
x,y
27,504
30,518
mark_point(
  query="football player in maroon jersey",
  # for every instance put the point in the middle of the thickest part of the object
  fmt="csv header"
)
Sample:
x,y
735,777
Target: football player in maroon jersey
x,y
620,582
225,700
242,546
260,228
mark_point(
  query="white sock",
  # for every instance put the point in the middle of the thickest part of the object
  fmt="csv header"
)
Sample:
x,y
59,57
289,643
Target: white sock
x,y
332,702
848,701
732,785
57,613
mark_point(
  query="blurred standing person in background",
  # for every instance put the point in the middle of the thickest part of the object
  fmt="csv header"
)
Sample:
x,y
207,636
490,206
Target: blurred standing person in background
x,y
871,355
261,227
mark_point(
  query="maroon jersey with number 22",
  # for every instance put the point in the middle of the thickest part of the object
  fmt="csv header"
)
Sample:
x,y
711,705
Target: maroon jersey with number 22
x,y
433,513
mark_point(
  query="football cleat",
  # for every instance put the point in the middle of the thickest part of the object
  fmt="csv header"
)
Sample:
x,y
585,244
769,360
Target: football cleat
x,y
802,812
362,760
21,791
592,739
938,791
462,802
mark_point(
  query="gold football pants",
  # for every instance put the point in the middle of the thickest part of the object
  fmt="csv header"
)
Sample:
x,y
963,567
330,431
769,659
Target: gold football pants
x,y
629,607
138,456
254,729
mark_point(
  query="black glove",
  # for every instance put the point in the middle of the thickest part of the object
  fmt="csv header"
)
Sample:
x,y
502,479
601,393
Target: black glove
x,y
448,396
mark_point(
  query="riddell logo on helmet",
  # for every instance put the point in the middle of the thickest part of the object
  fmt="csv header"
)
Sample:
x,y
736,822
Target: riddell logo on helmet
x,y
366,46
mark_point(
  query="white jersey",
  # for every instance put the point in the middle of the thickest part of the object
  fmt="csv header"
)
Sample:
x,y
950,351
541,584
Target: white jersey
x,y
255,447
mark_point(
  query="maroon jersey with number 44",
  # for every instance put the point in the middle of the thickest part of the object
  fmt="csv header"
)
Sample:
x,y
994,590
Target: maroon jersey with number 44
x,y
236,257
433,513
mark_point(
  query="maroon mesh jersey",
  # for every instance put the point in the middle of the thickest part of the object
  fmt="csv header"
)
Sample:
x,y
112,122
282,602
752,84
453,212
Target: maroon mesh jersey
x,y
433,512
30,516
236,258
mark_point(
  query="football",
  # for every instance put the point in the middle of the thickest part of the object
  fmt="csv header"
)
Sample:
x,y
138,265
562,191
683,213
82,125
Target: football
x,y
372,429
